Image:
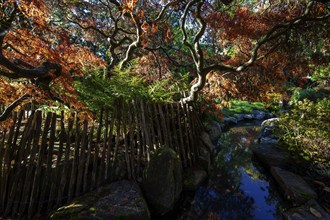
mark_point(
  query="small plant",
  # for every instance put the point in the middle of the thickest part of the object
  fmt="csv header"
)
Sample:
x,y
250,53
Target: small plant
x,y
306,131
274,103
321,74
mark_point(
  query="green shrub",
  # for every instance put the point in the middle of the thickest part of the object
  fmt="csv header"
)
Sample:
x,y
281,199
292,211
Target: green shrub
x,y
321,74
306,130
98,91
300,94
312,94
273,104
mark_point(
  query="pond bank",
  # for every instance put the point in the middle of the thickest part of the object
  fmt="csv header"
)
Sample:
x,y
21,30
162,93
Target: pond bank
x,y
238,187
265,190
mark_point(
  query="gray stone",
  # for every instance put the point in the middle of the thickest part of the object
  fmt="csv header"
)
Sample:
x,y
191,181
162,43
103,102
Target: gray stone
x,y
294,187
119,200
270,115
248,116
214,131
258,115
162,184
266,131
207,141
271,155
272,122
268,140
230,120
192,179
240,117
310,211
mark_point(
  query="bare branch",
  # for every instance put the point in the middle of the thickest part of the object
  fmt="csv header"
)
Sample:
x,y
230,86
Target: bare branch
x,y
183,29
134,45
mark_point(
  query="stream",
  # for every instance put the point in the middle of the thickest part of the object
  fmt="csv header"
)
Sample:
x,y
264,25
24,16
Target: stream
x,y
238,188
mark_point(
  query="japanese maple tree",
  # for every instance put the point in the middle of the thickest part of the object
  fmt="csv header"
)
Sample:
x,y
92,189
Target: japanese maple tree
x,y
235,46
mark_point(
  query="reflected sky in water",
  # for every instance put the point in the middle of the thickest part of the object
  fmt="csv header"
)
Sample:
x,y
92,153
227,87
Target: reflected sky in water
x,y
237,190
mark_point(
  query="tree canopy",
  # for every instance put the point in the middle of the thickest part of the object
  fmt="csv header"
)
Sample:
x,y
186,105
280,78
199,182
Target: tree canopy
x,y
231,46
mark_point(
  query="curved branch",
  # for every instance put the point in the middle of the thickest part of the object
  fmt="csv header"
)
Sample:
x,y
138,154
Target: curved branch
x,y
183,28
197,53
133,45
41,71
6,113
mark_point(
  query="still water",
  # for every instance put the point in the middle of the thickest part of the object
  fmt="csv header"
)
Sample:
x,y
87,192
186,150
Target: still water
x,y
238,188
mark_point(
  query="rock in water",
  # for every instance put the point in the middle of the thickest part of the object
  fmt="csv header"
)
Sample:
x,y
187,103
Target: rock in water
x,y
163,180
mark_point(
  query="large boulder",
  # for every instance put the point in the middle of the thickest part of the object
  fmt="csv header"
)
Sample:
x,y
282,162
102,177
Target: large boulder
x,y
294,187
119,200
162,183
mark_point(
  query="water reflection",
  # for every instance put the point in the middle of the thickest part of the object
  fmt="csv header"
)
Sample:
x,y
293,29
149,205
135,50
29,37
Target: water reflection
x,y
237,189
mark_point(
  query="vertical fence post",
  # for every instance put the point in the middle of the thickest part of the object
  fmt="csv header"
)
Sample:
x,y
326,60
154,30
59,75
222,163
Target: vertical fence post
x,y
48,168
31,165
66,166
81,163
75,161
7,165
36,179
125,138
55,184
17,168
108,172
89,154
101,176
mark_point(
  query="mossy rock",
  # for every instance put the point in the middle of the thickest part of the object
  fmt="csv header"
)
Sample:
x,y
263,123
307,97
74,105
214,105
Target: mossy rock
x,y
120,200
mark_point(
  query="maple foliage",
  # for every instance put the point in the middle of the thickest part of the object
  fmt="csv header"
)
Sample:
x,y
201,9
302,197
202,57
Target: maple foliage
x,y
28,43
230,48
288,58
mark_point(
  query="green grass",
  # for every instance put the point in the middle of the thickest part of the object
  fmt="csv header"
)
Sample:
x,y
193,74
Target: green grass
x,y
239,107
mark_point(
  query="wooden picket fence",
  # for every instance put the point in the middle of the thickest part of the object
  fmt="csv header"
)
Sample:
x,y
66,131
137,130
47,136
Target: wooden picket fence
x,y
47,159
